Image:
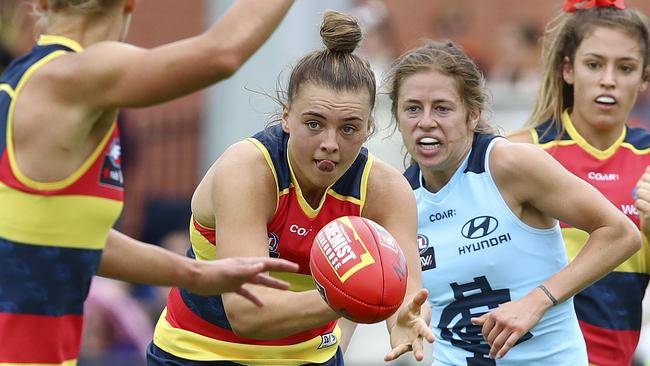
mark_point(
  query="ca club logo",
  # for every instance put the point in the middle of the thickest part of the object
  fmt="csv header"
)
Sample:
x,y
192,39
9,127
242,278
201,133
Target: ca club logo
x,y
427,253
423,243
274,243
479,227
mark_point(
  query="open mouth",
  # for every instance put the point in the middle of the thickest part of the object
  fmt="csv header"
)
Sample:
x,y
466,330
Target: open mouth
x,y
606,100
428,143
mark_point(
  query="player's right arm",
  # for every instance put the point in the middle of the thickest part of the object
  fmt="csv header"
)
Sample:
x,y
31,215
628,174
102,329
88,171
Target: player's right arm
x,y
113,74
241,215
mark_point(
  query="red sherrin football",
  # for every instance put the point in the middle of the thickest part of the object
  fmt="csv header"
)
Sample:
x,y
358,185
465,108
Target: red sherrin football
x,y
359,269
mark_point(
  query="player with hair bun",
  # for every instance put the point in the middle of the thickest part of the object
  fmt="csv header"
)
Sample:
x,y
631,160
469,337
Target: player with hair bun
x,y
268,196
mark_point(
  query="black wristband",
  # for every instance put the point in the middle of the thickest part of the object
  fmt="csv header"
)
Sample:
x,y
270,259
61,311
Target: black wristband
x,y
549,294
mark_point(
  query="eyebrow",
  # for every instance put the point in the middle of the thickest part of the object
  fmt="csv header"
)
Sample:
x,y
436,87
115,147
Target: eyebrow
x,y
618,59
318,115
434,101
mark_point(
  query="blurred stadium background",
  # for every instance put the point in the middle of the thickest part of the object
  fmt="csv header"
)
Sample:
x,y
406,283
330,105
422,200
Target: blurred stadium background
x,y
168,148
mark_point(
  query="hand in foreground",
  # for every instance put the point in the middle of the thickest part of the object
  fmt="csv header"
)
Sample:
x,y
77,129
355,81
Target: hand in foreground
x,y
230,274
504,326
409,329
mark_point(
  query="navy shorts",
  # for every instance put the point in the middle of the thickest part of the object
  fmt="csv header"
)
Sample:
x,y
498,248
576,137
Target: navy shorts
x,y
158,357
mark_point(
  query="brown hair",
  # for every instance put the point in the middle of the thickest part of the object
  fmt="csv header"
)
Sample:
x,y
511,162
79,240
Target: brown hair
x,y
335,66
562,37
450,60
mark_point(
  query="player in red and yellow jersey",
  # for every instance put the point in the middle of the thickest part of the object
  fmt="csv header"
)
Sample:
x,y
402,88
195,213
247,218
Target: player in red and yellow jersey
x,y
269,196
596,64
61,184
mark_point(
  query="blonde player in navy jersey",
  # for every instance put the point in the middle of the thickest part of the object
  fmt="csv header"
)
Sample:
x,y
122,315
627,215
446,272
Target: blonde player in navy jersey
x,y
269,195
596,63
493,258
61,186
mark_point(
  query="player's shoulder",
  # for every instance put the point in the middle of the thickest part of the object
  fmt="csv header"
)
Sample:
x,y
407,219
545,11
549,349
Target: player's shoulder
x,y
520,135
386,183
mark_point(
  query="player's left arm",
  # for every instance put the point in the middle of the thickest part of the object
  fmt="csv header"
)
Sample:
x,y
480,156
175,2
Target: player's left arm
x,y
535,184
391,203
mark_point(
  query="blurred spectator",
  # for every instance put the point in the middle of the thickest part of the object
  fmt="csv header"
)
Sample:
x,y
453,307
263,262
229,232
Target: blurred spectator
x,y
514,77
640,115
117,328
378,45
166,222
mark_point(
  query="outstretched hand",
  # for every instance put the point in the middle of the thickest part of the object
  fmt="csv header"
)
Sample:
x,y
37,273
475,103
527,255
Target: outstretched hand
x,y
410,329
230,275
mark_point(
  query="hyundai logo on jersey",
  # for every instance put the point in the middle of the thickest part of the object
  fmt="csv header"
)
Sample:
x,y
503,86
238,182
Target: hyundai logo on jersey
x,y
479,227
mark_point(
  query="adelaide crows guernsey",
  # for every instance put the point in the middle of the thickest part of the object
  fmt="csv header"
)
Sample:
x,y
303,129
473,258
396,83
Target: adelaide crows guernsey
x,y
196,328
476,254
51,234
610,310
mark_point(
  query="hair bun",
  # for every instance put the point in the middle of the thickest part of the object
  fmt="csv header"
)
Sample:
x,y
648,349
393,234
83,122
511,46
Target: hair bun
x,y
340,32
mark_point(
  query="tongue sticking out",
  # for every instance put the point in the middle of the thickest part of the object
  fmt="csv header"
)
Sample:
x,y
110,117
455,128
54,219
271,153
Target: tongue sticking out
x,y
325,165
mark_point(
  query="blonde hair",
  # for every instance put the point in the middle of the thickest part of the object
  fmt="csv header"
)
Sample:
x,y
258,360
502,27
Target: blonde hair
x,y
562,37
69,6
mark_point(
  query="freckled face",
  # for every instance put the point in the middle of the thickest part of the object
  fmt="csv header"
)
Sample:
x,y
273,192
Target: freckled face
x,y
327,129
434,122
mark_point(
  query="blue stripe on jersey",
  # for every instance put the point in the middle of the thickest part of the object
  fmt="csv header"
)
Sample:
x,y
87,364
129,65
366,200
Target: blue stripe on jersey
x,y
18,67
350,183
44,280
622,303
638,137
476,160
209,308
275,140
548,132
5,100
412,174
12,75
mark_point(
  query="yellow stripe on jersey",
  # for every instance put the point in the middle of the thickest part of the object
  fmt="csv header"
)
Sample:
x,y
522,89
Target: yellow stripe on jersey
x,y
575,239
7,89
192,346
60,221
364,184
47,39
66,363
45,186
302,202
575,135
269,162
634,149
298,282
203,249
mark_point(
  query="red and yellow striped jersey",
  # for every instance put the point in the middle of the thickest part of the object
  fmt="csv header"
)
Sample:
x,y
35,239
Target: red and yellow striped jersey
x,y
196,328
609,311
51,234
